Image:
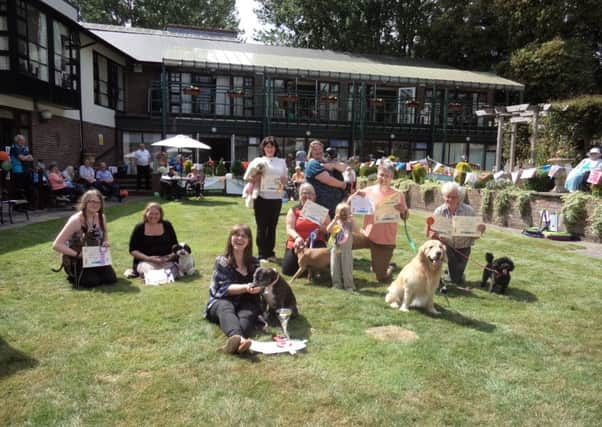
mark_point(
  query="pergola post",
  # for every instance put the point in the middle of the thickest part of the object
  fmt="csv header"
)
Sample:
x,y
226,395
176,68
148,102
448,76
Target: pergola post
x,y
512,147
500,139
534,135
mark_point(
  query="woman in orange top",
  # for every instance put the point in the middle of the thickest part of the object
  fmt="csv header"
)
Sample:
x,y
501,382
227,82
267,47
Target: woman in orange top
x,y
380,237
299,230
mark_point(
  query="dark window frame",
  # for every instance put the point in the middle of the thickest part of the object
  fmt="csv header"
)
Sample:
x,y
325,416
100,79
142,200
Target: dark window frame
x,y
25,62
115,94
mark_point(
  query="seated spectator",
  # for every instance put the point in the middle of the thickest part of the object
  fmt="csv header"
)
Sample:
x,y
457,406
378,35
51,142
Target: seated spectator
x,y
170,187
579,174
58,186
71,181
195,180
299,230
106,183
151,242
87,176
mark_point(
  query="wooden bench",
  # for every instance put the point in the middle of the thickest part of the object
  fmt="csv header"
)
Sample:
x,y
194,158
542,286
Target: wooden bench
x,y
14,205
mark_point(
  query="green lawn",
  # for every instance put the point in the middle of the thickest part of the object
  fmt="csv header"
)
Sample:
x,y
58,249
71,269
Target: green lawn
x,y
136,355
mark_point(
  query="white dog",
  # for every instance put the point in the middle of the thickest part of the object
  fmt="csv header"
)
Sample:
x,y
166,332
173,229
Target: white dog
x,y
251,190
185,259
417,282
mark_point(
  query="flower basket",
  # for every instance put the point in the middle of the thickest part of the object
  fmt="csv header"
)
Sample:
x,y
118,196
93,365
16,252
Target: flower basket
x,y
454,106
237,93
329,99
377,102
290,98
412,103
192,90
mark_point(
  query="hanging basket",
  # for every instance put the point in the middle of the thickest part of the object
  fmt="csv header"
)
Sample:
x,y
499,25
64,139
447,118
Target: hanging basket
x,y
455,106
377,102
290,98
329,99
192,90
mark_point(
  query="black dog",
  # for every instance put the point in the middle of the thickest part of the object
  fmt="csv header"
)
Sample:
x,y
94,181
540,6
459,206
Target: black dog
x,y
498,270
276,292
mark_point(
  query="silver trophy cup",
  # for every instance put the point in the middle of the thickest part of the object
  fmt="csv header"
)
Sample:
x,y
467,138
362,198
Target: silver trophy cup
x,y
284,314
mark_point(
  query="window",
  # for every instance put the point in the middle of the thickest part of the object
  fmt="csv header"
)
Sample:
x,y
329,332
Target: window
x,y
4,54
109,88
65,56
329,101
32,41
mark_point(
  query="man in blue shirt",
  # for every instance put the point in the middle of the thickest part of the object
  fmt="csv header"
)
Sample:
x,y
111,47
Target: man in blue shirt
x,y
105,182
22,162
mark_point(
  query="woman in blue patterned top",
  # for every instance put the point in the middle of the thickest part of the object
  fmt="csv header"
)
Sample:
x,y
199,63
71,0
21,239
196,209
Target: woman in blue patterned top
x,y
233,301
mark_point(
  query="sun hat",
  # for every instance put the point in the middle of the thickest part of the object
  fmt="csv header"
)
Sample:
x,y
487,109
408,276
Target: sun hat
x,y
594,150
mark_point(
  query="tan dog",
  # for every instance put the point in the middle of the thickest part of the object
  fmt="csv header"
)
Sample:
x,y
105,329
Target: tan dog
x,y
311,259
417,282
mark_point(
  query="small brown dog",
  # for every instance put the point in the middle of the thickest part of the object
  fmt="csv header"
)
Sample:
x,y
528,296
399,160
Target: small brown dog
x,y
417,282
312,260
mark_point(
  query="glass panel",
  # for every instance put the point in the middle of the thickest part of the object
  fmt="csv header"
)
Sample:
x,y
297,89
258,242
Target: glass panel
x,y
3,43
3,25
475,153
4,62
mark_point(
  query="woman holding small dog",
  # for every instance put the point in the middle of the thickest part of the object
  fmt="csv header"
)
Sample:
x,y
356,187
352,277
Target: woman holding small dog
x,y
299,230
233,301
88,226
380,237
151,242
457,248
269,201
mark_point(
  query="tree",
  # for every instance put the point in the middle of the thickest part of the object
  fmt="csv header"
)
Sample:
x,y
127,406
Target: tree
x,y
214,14
553,70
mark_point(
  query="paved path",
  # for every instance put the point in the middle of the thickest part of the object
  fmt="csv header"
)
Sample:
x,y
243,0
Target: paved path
x,y
590,249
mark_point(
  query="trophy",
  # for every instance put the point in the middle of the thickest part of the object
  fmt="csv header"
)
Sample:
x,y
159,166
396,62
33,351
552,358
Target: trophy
x,y
283,315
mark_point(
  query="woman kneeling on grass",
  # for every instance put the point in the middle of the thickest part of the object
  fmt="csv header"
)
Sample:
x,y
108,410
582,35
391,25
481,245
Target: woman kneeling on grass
x,y
86,227
233,302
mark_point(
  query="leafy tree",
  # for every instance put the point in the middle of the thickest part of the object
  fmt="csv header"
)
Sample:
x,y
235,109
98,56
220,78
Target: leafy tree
x,y
553,70
159,13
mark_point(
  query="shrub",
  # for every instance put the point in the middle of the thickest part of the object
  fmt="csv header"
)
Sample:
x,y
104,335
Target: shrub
x,y
486,199
523,199
366,170
220,169
462,168
502,202
418,173
597,221
187,166
540,182
237,169
574,208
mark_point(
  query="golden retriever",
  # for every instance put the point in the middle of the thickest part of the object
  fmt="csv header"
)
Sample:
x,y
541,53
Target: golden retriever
x,y
417,282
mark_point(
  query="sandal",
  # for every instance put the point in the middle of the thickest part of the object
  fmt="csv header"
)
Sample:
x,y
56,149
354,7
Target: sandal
x,y
232,344
244,346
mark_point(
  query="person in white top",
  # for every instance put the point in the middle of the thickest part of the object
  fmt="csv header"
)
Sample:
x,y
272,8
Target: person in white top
x,y
269,201
87,175
142,158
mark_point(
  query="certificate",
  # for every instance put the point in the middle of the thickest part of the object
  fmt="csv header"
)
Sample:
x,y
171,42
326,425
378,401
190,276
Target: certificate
x,y
442,225
466,226
95,256
159,277
271,182
385,211
361,205
314,212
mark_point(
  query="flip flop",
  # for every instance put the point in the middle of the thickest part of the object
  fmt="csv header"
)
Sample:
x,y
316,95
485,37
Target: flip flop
x,y
244,346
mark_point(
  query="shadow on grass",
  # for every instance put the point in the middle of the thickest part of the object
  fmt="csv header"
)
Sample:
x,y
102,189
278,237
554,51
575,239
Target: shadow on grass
x,y
515,294
12,360
207,202
461,320
122,286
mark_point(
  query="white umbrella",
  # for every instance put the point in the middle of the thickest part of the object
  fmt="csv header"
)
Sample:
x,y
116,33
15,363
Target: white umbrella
x,y
182,141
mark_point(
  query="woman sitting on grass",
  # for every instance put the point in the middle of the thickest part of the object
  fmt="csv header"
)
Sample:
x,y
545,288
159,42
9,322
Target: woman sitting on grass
x,y
86,227
233,302
151,242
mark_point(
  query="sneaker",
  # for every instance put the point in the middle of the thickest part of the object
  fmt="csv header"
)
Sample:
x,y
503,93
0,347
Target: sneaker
x,y
232,344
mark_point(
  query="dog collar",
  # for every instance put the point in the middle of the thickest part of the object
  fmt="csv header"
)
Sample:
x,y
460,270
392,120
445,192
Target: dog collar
x,y
275,280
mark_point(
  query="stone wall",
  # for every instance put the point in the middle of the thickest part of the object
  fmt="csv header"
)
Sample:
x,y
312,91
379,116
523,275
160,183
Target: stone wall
x,y
513,219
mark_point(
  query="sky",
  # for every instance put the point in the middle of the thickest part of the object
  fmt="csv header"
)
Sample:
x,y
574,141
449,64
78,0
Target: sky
x,y
248,20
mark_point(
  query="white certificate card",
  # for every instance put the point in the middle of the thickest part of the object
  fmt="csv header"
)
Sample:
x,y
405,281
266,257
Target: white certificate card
x,y
95,256
385,211
271,182
442,225
314,212
361,206
466,226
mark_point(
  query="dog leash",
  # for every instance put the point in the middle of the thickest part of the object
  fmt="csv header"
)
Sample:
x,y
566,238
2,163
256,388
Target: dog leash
x,y
409,239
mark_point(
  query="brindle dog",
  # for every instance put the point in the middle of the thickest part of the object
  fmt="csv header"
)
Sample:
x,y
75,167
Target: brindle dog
x,y
73,265
276,292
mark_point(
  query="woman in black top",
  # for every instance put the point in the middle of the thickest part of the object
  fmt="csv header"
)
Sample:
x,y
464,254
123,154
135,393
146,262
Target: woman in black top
x,y
152,240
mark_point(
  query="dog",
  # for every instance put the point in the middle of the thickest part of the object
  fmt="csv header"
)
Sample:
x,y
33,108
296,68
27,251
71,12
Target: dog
x,y
73,265
311,260
498,270
250,191
276,292
184,260
417,282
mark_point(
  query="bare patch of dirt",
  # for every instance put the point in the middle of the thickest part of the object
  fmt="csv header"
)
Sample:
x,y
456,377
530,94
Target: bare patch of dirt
x,y
392,333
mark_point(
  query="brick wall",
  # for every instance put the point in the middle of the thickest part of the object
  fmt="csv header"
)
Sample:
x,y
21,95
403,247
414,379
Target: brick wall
x,y
58,140
549,201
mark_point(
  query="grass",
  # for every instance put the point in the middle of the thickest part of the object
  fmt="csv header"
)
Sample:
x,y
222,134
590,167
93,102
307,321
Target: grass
x,y
136,355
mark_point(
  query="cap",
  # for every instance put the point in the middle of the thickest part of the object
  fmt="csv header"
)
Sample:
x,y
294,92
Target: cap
x,y
594,150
